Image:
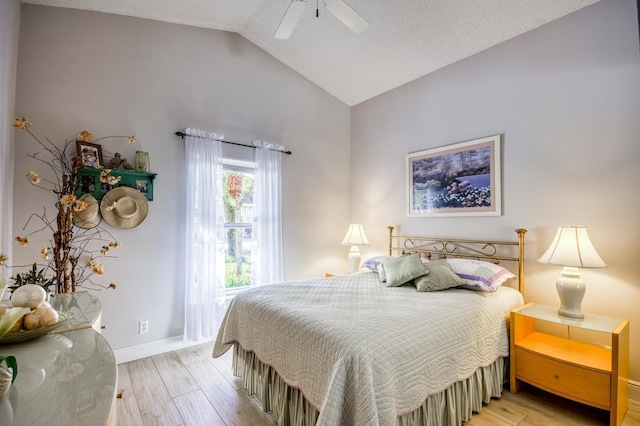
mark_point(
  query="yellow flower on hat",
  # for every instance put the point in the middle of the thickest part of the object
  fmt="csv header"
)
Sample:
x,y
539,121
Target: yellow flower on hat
x,y
23,241
80,206
112,206
33,178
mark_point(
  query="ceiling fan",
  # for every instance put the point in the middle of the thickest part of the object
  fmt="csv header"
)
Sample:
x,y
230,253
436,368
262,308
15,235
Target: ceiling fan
x,y
338,8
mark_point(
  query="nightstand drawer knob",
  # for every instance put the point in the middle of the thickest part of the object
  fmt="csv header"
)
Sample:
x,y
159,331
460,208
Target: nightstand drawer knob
x,y
555,376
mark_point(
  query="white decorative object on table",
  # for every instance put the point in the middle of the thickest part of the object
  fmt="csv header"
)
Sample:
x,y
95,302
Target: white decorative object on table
x,y
7,374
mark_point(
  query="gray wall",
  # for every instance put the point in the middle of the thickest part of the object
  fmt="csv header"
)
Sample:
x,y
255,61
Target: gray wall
x,y
115,75
566,97
9,26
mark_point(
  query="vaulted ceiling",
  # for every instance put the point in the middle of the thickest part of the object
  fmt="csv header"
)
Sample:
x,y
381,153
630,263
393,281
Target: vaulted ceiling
x,y
405,39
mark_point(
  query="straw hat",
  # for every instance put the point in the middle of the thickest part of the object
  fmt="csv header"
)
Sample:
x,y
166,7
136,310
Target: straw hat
x,y
90,216
130,208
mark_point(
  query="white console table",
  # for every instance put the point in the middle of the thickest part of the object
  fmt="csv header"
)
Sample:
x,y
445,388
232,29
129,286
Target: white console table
x,y
65,378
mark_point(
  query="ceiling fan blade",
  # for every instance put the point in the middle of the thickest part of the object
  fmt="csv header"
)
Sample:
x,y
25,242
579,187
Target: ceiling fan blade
x,y
347,15
290,19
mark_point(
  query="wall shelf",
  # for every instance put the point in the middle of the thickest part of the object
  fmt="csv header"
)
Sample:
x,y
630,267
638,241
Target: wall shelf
x,y
88,182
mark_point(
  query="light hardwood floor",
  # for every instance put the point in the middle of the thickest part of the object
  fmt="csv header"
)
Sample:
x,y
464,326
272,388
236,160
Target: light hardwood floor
x,y
188,387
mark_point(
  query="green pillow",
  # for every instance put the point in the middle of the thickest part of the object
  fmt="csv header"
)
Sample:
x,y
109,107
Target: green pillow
x,y
440,277
400,270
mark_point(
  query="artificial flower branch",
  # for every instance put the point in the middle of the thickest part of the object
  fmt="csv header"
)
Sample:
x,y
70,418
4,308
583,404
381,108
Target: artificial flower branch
x,y
71,255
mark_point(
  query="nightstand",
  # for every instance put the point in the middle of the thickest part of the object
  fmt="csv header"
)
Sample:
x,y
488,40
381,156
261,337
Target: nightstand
x,y
586,360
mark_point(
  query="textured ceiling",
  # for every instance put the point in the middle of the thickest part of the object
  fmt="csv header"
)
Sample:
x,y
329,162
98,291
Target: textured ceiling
x,y
406,39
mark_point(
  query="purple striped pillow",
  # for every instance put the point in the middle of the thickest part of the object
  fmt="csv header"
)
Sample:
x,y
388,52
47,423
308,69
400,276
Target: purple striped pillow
x,y
480,275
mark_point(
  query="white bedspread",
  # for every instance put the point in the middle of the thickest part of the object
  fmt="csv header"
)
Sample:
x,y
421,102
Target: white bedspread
x,y
363,353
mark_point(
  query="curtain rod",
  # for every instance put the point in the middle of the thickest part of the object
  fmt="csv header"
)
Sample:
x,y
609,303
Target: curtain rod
x,y
182,135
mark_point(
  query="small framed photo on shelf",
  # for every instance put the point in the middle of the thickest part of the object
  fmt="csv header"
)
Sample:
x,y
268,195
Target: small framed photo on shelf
x,y
142,185
90,154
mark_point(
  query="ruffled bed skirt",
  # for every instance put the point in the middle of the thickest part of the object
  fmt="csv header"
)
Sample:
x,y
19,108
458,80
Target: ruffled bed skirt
x,y
288,405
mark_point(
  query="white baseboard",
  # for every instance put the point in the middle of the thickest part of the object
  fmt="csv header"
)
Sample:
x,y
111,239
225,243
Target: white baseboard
x,y
153,348
634,390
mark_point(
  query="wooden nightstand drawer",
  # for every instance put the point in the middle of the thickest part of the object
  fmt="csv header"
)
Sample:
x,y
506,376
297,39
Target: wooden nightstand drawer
x,y
580,384
582,369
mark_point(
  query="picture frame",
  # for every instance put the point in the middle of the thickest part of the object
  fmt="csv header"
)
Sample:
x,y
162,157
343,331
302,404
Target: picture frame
x,y
89,154
462,179
142,185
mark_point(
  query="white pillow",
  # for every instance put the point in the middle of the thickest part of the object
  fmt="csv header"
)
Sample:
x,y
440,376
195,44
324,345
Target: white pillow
x,y
480,275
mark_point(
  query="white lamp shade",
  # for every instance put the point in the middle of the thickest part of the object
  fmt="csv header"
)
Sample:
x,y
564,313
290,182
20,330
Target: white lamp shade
x,y
355,236
572,247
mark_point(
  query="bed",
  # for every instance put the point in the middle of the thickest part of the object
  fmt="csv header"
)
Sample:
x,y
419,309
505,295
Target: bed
x,y
352,350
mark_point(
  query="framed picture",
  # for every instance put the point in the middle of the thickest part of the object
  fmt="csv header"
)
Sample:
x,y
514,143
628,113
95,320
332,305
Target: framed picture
x,y
90,154
463,179
142,185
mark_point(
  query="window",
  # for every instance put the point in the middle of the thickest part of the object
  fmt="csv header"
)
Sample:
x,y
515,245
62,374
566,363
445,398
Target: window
x,y
238,184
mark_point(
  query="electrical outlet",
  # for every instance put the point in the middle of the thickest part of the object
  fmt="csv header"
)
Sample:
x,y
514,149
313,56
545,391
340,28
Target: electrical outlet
x,y
143,327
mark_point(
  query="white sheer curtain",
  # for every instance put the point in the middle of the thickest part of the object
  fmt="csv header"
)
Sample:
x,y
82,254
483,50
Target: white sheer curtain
x,y
267,264
9,23
205,276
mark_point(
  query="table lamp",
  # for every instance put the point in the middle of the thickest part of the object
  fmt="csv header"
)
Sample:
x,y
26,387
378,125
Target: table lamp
x,y
355,237
572,249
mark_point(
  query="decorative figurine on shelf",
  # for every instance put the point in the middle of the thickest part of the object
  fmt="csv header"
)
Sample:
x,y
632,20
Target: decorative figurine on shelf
x,y
126,164
117,162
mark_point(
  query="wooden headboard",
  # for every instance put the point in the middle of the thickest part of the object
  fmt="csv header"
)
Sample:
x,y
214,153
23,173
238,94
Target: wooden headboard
x,y
490,251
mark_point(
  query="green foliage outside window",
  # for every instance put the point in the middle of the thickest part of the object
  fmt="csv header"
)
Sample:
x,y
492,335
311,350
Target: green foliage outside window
x,y
234,280
238,191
